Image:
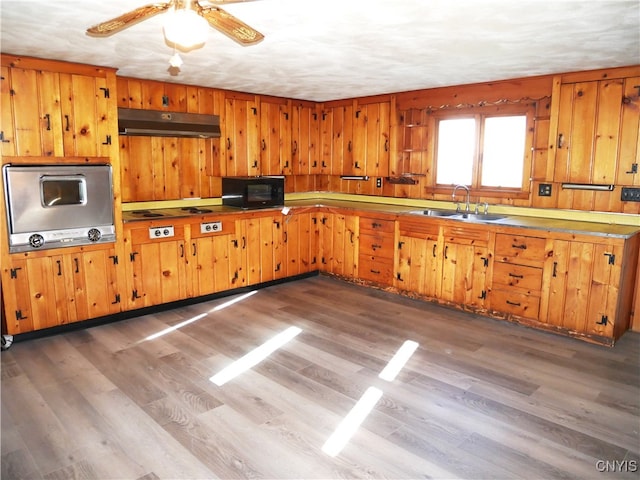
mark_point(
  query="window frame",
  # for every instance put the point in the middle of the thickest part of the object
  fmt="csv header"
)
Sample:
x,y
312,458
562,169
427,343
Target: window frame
x,y
480,114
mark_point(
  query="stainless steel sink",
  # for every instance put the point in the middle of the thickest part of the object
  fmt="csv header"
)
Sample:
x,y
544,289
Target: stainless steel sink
x,y
479,217
434,213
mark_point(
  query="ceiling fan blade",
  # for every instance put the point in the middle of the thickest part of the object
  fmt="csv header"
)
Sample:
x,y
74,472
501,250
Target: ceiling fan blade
x,y
131,18
230,25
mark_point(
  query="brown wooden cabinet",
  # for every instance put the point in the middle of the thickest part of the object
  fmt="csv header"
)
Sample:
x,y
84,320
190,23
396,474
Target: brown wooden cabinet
x,y
215,259
517,275
305,151
46,113
157,266
376,249
240,135
587,287
339,243
371,132
419,263
466,259
594,137
301,240
275,136
49,289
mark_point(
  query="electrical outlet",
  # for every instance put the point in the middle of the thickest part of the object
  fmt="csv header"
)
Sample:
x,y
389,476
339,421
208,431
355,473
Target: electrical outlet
x,y
630,194
544,190
379,182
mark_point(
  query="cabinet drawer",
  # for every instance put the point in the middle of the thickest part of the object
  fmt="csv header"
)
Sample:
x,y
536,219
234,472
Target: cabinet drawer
x,y
520,249
378,245
515,303
375,268
376,225
521,277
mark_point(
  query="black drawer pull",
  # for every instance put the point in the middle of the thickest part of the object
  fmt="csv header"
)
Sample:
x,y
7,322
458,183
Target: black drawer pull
x,y
520,247
516,276
515,304
377,272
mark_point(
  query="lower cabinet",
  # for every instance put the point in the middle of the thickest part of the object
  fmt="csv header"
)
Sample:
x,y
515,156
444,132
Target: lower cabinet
x,y
339,243
419,260
376,249
301,243
444,262
49,289
464,266
585,288
517,275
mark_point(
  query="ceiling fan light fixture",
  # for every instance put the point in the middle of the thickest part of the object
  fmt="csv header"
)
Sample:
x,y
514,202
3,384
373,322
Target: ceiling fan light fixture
x,y
185,28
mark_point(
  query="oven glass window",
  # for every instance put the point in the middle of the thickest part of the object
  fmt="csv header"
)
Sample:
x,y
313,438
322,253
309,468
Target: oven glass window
x,y
62,191
259,192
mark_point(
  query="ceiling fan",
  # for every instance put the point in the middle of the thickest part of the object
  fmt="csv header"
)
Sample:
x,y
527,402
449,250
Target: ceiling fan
x,y
215,16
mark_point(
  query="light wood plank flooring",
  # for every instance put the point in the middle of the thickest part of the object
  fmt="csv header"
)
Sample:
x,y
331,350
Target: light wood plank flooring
x,y
478,399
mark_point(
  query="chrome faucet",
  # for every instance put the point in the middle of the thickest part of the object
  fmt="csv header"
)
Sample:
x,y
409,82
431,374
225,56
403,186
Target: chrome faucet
x,y
453,196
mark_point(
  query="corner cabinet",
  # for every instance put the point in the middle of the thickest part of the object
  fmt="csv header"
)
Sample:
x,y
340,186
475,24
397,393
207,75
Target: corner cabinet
x,y
589,287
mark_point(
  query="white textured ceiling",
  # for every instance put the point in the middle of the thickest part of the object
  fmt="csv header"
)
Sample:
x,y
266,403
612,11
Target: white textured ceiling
x,y
332,49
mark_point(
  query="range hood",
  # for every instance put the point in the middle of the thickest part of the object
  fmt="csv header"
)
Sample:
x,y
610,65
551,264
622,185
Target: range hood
x,y
157,123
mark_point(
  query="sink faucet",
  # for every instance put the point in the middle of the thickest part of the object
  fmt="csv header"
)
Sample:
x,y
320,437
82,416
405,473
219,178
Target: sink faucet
x,y
453,196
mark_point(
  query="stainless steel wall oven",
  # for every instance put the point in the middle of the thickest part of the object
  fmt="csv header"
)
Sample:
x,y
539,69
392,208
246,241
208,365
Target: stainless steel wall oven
x,y
53,206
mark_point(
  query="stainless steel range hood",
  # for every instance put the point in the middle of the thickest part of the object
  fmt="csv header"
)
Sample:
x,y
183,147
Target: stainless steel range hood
x,y
157,123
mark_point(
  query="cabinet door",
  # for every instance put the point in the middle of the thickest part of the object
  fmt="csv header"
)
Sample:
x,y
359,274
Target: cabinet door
x,y
588,131
326,143
304,139
275,138
264,249
583,281
211,264
465,263
419,265
464,274
95,287
241,132
299,244
27,122
157,268
339,244
371,139
629,155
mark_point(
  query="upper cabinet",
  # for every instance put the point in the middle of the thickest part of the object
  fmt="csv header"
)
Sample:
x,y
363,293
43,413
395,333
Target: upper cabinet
x,y
275,136
241,133
594,128
48,113
305,152
371,130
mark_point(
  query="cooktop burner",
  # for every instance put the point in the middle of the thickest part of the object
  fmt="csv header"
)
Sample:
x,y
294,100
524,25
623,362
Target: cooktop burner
x,y
147,213
196,210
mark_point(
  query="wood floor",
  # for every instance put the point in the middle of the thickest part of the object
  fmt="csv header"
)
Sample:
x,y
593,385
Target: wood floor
x,y
478,399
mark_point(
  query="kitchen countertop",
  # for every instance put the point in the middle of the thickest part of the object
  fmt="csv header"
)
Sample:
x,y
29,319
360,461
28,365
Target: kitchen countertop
x,y
538,223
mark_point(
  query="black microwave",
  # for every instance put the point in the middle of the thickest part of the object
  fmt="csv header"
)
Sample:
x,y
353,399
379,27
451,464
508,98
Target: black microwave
x,y
253,192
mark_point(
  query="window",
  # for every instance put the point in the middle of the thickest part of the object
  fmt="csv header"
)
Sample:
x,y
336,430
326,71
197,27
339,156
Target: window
x,y
484,151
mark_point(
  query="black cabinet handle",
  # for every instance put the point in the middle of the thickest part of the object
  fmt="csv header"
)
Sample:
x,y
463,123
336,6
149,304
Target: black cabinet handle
x,y
59,268
519,247
555,269
75,260
433,252
194,250
181,251
560,140
446,250
48,118
228,143
515,304
516,276
377,272
67,126
264,145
